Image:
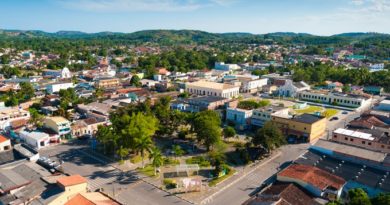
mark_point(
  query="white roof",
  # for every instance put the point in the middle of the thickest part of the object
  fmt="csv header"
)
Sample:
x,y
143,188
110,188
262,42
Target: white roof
x,y
387,102
355,134
34,135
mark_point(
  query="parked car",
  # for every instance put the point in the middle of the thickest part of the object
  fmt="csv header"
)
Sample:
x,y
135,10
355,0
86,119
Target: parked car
x,y
344,112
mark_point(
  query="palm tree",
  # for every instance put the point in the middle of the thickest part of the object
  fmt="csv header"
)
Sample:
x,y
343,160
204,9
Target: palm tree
x,y
156,158
177,150
143,144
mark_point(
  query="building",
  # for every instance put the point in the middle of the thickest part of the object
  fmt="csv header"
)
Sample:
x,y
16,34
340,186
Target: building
x,y
303,128
70,187
63,73
107,82
198,104
291,89
318,182
87,126
373,90
226,67
335,98
251,84
5,144
240,117
384,105
35,139
56,87
206,88
372,139
11,114
262,115
59,125
281,194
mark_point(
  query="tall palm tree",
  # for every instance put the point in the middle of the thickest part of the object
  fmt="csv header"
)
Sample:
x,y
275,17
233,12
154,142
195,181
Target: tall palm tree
x,y
143,144
156,158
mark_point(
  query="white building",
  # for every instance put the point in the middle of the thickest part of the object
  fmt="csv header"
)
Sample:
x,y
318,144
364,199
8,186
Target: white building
x,y
240,117
251,84
10,114
35,139
340,99
226,67
262,115
384,105
56,87
291,89
59,125
5,144
63,73
206,88
377,67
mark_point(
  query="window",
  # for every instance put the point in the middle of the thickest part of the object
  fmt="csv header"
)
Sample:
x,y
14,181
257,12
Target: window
x,y
363,142
304,128
383,146
351,140
334,136
369,143
346,138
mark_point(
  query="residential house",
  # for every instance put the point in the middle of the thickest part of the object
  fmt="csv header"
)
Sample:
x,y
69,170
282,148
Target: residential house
x,y
87,126
291,89
11,114
63,73
5,144
384,105
251,83
373,90
226,67
206,88
59,125
318,182
56,87
262,115
35,139
107,82
304,128
240,117
70,186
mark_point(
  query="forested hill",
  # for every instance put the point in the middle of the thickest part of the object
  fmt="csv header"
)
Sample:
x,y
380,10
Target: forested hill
x,y
198,37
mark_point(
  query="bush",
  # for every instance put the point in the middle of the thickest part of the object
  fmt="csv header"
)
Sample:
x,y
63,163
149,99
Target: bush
x,y
170,183
200,160
170,161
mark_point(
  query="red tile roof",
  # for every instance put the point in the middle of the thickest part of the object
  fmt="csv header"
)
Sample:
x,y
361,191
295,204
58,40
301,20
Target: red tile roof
x,y
313,175
3,139
71,180
79,200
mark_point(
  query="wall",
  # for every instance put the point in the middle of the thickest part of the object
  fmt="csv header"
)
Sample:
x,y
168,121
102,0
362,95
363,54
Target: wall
x,y
69,193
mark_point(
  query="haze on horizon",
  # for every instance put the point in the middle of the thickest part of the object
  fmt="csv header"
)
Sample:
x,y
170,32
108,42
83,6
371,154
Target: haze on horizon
x,y
218,16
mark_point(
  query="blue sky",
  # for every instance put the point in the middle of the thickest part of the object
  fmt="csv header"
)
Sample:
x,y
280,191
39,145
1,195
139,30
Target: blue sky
x,y
322,17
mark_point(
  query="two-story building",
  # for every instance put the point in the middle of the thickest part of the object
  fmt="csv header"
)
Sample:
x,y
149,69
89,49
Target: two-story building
x,y
335,98
56,87
291,89
240,117
107,82
11,114
303,128
207,88
262,115
59,125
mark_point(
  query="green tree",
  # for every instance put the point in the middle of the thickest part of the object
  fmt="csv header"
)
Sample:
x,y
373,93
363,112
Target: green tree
x,y
177,150
135,81
358,197
36,119
157,159
27,91
269,137
381,199
106,136
229,132
122,152
207,128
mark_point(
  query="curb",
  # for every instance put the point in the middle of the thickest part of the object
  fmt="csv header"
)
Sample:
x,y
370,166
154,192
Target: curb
x,y
208,199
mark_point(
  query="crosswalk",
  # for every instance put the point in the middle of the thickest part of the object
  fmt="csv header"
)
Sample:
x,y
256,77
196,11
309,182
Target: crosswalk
x,y
99,182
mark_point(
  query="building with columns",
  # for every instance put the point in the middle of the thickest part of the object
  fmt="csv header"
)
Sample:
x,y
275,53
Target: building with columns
x,y
206,88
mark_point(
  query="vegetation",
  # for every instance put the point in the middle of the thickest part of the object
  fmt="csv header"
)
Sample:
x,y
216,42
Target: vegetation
x,y
252,104
218,180
200,160
207,127
269,137
229,132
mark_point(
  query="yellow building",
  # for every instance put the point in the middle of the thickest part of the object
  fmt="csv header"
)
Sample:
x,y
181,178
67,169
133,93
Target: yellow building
x,y
206,88
304,128
107,83
59,125
71,186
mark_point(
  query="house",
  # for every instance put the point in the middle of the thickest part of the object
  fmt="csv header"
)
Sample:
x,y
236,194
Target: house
x,y
70,187
304,128
372,139
63,73
206,103
226,67
11,114
318,182
269,89
95,109
148,83
291,89
35,139
334,85
87,126
373,90
91,198
281,194
59,125
262,115
5,144
206,88
107,82
335,98
251,84
240,117
56,87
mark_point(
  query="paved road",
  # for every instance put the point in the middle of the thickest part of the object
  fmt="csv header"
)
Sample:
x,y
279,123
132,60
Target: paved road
x,y
240,191
125,187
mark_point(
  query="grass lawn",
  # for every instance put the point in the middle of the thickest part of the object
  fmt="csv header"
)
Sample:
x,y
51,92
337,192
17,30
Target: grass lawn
x,y
148,171
215,181
328,113
309,109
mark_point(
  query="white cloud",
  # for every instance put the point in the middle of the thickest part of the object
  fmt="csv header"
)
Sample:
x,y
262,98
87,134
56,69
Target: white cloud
x,y
357,2
141,5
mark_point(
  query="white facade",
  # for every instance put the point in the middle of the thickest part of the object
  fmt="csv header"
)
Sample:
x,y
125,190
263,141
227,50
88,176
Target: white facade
x,y
262,115
206,88
58,124
56,87
10,114
377,67
36,140
291,89
253,85
339,99
226,67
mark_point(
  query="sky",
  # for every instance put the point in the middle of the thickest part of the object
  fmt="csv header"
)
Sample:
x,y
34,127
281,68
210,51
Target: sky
x,y
320,17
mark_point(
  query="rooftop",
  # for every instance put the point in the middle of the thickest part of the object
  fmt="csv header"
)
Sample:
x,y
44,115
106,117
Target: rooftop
x,y
212,85
58,119
307,118
208,99
313,175
356,134
79,200
71,180
3,139
34,134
